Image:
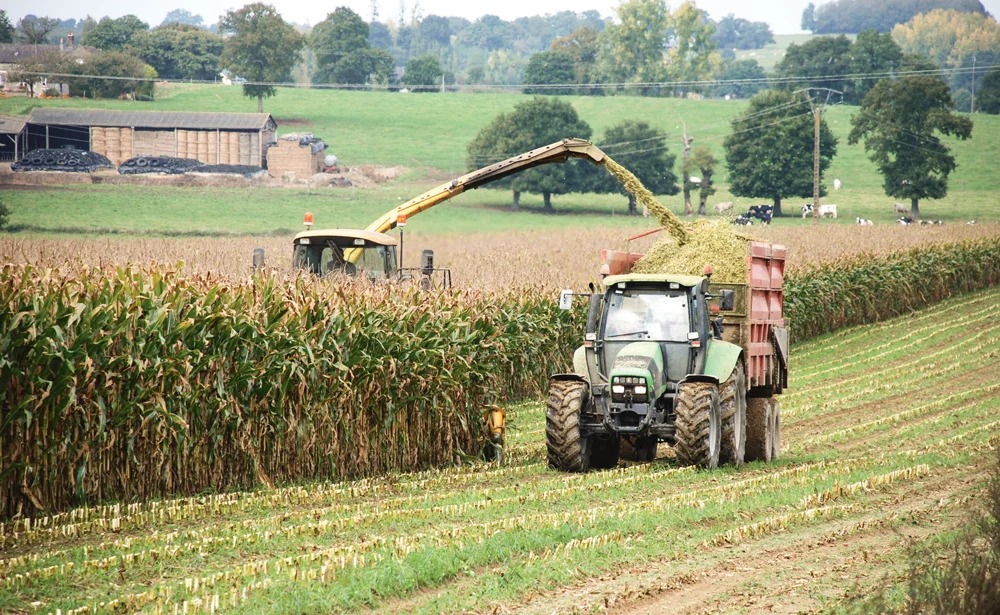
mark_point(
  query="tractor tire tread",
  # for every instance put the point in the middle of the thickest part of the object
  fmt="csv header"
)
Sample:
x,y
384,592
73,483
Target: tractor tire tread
x,y
731,396
760,438
566,447
692,407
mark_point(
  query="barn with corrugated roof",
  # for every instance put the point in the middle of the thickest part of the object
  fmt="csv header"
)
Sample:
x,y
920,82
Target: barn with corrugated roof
x,y
212,138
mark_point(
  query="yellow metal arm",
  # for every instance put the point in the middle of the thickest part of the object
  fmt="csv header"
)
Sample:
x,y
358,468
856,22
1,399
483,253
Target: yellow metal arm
x,y
556,152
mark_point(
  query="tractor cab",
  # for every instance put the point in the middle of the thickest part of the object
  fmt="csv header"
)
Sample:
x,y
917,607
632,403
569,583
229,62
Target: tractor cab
x,y
347,252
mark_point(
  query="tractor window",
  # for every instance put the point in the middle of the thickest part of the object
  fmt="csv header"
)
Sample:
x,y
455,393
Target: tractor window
x,y
373,262
647,316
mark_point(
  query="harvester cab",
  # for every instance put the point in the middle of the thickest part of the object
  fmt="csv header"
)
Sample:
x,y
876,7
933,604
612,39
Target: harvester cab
x,y
365,254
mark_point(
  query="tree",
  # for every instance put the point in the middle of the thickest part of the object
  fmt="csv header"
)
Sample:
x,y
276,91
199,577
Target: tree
x,y
736,33
872,52
33,30
898,121
435,29
341,33
770,151
951,39
379,36
183,16
853,16
533,123
262,48
809,17
364,64
988,94
704,161
740,73
550,67
642,149
180,51
423,72
811,62
115,34
693,56
632,49
582,45
6,29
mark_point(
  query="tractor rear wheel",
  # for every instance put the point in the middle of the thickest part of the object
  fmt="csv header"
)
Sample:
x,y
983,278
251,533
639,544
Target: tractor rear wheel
x,y
638,448
762,427
698,425
733,398
568,449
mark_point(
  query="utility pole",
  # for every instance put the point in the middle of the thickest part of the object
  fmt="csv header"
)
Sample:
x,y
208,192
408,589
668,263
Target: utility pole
x,y
972,105
817,112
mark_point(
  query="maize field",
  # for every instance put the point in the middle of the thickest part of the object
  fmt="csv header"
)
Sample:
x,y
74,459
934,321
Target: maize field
x,y
888,430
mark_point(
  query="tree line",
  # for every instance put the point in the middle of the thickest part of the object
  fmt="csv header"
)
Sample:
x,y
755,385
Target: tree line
x,y
854,16
768,153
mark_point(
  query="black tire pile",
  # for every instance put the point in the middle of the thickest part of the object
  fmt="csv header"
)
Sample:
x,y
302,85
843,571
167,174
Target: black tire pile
x,y
232,169
62,160
158,164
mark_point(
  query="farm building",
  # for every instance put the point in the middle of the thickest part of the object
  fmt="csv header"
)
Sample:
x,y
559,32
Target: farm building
x,y
212,138
12,137
300,154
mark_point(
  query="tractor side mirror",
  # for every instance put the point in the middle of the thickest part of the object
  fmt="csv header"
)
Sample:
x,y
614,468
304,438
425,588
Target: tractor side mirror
x,y
566,300
727,300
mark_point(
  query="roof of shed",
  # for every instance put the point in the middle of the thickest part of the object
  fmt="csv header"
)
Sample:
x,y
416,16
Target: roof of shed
x,y
151,119
12,124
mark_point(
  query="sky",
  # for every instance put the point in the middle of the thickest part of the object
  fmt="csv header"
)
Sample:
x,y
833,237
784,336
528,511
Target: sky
x,y
782,15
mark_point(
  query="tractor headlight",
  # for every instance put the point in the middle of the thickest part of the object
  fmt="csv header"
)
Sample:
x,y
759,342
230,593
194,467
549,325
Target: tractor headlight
x,y
640,389
618,389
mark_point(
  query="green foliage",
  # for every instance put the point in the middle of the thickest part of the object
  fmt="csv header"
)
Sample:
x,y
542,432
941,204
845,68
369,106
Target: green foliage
x,y
423,73
4,215
770,151
869,288
632,49
693,57
733,32
261,48
231,385
582,45
952,39
180,51
703,160
33,30
809,63
115,34
435,29
740,70
809,17
988,94
183,16
898,121
6,28
641,148
853,16
550,67
871,52
358,66
342,32
379,36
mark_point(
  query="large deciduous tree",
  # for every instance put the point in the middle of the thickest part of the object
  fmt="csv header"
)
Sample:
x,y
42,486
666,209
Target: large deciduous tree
x,y
183,16
853,16
632,49
342,32
988,96
872,52
582,45
34,30
899,122
818,63
737,33
740,78
423,72
262,48
180,51
642,149
115,34
770,151
951,39
550,68
692,57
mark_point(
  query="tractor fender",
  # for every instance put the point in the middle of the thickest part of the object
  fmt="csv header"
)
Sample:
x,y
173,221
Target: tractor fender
x,y
722,359
699,378
568,378
580,362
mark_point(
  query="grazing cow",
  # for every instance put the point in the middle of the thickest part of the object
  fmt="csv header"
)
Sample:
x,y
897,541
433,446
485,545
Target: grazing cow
x,y
825,210
723,207
760,212
807,209
905,220
837,184
971,222
930,222
742,220
863,222
900,208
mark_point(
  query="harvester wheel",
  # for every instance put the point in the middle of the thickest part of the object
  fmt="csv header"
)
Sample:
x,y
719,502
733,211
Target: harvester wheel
x,y
775,430
636,448
733,396
568,449
698,425
760,429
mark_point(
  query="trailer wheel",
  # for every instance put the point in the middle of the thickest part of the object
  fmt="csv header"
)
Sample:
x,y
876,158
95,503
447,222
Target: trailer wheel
x,y
698,425
568,449
733,398
760,429
638,448
775,430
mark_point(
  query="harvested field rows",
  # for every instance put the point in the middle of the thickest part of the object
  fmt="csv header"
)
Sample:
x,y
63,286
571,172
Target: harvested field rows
x,y
887,430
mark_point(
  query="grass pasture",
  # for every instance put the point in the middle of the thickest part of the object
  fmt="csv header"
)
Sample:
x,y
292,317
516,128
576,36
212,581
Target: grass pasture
x,y
886,429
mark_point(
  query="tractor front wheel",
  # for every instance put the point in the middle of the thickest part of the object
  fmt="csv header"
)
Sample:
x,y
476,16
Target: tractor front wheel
x,y
734,417
698,425
568,449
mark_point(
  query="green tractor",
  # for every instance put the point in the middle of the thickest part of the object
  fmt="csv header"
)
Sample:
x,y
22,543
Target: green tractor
x,y
657,367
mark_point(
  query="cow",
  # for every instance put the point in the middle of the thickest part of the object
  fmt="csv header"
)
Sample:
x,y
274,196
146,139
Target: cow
x,y
905,220
824,210
900,208
742,220
836,184
760,212
930,222
863,222
723,207
971,222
